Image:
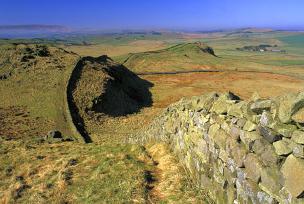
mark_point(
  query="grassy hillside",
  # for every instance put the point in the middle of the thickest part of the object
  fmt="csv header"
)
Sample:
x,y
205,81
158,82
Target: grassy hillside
x,y
40,167
34,78
176,58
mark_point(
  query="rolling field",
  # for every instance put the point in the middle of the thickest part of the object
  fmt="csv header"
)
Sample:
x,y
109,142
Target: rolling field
x,y
224,45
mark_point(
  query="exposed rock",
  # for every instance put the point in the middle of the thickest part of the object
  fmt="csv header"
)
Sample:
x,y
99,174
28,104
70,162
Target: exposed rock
x,y
298,137
289,105
270,135
236,109
237,152
249,126
260,105
265,198
42,51
298,151
241,122
253,167
235,132
223,155
204,103
265,151
285,130
213,130
232,96
271,181
225,126
282,147
248,138
220,138
299,116
293,171
266,119
222,105
234,120
54,134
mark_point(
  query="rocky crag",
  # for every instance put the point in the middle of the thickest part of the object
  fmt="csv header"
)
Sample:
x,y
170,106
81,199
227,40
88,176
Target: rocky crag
x,y
238,151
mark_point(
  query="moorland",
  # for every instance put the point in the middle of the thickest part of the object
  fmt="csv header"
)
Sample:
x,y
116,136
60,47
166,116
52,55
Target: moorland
x,y
69,103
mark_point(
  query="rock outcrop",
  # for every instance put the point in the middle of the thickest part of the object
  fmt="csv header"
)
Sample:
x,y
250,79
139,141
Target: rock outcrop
x,y
238,151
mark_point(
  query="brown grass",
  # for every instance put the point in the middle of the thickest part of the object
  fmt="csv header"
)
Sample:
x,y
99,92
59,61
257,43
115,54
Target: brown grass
x,y
170,88
116,50
171,184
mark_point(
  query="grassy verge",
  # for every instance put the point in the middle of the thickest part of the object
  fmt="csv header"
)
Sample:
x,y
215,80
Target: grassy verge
x,y
72,173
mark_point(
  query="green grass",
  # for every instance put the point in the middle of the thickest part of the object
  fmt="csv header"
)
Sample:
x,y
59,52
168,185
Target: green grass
x,y
99,173
184,56
38,85
294,43
293,40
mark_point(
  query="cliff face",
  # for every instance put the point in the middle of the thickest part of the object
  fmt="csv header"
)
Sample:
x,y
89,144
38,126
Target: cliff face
x,y
240,152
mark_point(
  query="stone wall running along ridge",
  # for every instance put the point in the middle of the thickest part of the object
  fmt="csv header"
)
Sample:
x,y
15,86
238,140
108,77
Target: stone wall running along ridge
x,y
238,151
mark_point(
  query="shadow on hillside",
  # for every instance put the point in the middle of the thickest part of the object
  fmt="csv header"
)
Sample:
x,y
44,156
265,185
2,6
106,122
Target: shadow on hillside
x,y
125,93
122,91
77,119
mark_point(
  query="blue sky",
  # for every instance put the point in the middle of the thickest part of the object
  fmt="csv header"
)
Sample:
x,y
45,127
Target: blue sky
x,y
146,14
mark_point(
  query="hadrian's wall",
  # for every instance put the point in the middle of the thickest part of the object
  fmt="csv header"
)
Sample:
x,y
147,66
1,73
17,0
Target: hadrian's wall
x,y
238,151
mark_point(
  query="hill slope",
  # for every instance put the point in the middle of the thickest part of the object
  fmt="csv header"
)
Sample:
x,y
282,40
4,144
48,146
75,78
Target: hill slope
x,y
185,56
41,167
32,85
101,89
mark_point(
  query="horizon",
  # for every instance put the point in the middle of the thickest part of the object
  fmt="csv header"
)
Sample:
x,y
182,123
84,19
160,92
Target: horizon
x,y
156,15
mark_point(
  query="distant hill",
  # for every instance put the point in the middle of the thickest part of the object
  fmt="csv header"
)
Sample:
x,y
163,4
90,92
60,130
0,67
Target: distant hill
x,y
181,57
34,27
25,31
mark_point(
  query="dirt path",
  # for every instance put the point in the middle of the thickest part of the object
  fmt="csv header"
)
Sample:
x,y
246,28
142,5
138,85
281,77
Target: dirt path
x,y
167,182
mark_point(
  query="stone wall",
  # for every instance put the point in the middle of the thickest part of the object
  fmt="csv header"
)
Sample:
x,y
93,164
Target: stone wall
x,y
238,151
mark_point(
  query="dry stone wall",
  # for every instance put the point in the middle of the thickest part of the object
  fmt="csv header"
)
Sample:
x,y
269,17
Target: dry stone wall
x,y
238,151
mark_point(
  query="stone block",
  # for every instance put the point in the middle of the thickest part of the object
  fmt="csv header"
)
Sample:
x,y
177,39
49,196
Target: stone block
x,y
248,138
271,181
253,167
249,126
298,137
293,172
266,152
290,104
270,135
282,148
298,151
260,105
